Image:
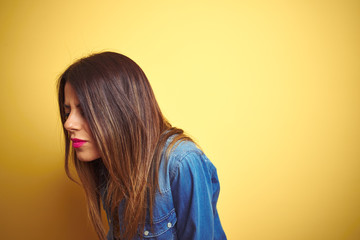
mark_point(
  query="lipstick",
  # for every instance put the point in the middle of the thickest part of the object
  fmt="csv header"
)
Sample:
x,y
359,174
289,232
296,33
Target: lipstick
x,y
77,142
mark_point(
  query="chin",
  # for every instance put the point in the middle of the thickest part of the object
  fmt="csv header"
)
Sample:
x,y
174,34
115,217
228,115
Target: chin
x,y
86,158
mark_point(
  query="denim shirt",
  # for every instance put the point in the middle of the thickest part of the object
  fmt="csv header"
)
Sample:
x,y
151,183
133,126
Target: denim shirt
x,y
186,207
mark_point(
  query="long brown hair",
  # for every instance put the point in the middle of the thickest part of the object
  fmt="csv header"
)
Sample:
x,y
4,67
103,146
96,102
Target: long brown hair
x,y
130,131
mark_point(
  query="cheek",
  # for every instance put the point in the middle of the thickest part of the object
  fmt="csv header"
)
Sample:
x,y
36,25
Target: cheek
x,y
87,130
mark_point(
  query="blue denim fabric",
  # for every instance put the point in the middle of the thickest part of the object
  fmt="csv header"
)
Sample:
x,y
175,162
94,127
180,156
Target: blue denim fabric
x,y
185,207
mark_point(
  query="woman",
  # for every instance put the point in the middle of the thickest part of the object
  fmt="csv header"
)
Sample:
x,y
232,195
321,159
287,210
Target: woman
x,y
152,180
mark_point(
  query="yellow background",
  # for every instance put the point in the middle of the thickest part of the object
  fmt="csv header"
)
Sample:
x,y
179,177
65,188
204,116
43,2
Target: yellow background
x,y
269,89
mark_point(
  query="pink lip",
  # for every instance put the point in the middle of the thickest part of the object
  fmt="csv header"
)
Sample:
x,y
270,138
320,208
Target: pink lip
x,y
77,142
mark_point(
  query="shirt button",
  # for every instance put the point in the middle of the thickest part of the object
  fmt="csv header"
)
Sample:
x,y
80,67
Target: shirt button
x,y
169,225
146,233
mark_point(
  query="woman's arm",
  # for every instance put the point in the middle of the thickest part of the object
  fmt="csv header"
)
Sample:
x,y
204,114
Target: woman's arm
x,y
195,189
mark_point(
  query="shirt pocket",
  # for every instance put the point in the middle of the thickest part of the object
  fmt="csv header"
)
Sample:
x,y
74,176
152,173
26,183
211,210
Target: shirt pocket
x,y
163,228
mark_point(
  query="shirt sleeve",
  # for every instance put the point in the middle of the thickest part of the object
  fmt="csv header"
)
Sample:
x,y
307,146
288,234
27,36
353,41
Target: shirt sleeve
x,y
195,189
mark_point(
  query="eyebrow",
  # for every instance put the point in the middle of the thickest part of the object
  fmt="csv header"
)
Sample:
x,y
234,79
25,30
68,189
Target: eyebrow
x,y
68,106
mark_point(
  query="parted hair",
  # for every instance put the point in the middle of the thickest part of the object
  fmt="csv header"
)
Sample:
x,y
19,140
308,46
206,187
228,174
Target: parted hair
x,y
130,132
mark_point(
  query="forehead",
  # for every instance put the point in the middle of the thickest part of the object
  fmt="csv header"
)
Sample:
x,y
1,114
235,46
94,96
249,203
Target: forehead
x,y
70,94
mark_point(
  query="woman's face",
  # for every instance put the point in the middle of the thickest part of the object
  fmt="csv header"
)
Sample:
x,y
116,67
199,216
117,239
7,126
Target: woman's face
x,y
78,128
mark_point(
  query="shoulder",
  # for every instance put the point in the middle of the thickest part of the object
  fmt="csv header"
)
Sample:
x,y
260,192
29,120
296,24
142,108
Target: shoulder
x,y
186,156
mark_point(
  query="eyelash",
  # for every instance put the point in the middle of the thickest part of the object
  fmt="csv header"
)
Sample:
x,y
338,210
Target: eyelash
x,y
67,114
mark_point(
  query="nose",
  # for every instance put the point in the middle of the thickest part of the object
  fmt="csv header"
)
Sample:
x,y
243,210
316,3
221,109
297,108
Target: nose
x,y
72,123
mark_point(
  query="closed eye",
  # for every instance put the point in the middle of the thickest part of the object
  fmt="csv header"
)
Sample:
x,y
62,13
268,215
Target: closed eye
x,y
68,108
66,115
